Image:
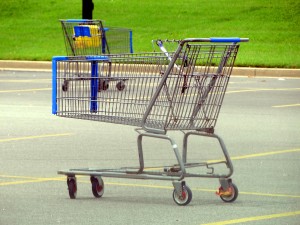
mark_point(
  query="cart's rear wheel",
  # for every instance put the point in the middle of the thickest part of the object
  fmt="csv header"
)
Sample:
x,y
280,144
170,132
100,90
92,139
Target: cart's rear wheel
x,y
185,197
97,186
72,187
120,85
103,85
65,85
230,195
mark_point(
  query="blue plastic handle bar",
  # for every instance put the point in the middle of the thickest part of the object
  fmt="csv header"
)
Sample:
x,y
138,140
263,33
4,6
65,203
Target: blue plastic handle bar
x,y
93,57
97,57
59,58
217,39
230,39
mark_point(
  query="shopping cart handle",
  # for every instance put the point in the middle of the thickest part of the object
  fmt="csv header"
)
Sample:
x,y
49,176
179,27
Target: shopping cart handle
x,y
228,39
217,39
91,58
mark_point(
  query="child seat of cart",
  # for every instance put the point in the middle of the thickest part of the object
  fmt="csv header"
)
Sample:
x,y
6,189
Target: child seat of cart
x,y
87,36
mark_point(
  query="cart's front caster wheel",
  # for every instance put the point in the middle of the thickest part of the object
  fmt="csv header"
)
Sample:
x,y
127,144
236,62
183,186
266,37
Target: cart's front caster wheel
x,y
97,186
103,85
229,195
120,85
184,197
72,187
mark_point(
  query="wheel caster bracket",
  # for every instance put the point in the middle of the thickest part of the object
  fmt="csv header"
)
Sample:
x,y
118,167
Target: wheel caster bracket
x,y
228,191
225,183
178,186
182,194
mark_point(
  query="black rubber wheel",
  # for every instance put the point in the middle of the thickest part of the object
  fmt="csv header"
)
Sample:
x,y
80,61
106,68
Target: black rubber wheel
x,y
97,186
120,85
72,187
65,86
185,198
233,196
103,85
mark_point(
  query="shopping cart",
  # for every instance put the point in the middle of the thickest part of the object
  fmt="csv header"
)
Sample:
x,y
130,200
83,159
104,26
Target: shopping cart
x,y
183,91
89,37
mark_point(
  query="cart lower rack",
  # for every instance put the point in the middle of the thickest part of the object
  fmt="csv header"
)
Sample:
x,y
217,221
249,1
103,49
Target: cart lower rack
x,y
154,93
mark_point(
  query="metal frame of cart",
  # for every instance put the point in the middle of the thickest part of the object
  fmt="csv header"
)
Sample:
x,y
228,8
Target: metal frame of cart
x,y
182,92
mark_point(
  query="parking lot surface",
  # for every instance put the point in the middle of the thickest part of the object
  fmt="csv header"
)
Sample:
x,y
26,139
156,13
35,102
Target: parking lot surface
x,y
259,123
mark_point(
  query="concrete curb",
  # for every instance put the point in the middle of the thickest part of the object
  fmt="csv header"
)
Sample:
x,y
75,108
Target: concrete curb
x,y
266,72
238,71
25,65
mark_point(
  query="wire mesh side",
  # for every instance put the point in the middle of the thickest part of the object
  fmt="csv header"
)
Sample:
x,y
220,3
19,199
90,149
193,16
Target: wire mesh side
x,y
123,87
195,88
118,40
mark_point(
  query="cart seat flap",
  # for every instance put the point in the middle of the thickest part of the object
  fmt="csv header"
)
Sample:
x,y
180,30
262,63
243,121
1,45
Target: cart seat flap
x,y
81,31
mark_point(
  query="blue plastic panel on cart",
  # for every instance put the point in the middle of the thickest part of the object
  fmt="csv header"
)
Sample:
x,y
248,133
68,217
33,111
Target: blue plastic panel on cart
x,y
82,31
130,41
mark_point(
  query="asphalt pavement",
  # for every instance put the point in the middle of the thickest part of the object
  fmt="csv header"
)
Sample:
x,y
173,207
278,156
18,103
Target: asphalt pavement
x,y
259,123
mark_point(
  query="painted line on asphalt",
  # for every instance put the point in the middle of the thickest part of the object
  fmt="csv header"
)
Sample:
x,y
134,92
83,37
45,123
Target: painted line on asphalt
x,y
27,180
269,195
255,218
284,106
26,81
257,155
19,177
26,90
140,185
34,137
265,154
263,89
37,180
